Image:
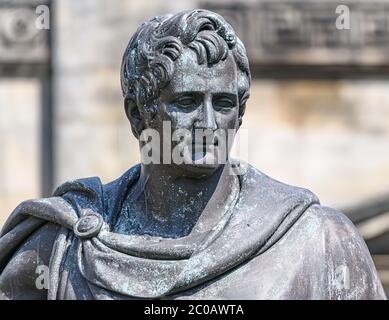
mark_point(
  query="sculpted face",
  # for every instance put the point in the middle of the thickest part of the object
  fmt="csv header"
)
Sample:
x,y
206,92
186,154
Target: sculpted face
x,y
200,99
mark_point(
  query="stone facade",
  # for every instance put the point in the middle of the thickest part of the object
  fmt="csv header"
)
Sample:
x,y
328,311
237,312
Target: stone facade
x,y
19,142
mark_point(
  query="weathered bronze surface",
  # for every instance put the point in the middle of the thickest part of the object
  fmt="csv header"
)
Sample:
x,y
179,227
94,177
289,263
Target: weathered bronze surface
x,y
191,229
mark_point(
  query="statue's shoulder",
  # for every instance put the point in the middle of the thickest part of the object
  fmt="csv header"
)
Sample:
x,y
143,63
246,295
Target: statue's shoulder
x,y
269,195
337,234
257,181
21,271
30,232
331,242
330,222
324,241
65,205
104,199
313,218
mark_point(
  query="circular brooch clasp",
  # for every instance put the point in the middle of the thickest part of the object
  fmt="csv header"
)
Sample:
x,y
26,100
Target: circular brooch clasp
x,y
88,226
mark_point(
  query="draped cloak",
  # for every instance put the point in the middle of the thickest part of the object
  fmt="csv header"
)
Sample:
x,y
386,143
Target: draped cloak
x,y
274,241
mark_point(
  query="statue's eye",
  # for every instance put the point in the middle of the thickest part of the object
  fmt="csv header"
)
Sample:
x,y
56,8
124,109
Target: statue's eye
x,y
223,103
186,101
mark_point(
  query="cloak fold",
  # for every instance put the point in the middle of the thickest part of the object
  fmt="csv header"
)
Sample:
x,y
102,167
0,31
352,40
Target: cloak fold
x,y
113,265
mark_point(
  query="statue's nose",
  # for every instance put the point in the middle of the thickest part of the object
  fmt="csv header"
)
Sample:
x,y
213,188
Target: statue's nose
x,y
206,119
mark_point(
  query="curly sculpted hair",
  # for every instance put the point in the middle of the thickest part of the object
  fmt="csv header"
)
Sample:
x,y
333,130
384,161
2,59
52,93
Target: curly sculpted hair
x,y
148,61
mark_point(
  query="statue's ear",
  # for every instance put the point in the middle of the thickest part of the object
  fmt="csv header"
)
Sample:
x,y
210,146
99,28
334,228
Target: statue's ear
x,y
133,114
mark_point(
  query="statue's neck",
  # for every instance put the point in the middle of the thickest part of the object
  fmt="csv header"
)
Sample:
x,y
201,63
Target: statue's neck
x,y
180,205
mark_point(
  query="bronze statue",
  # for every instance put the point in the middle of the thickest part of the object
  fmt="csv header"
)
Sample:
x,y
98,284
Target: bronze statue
x,y
184,229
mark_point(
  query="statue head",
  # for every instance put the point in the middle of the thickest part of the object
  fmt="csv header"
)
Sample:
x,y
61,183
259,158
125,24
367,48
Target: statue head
x,y
189,69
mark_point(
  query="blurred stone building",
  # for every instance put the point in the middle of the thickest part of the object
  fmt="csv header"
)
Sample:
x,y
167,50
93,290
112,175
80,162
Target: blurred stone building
x,y
318,115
